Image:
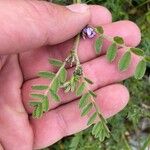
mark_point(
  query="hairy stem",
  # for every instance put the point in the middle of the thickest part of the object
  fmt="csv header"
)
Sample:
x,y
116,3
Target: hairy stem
x,y
75,51
76,1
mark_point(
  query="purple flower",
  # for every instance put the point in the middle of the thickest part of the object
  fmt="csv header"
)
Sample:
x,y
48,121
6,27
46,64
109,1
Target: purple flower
x,y
88,32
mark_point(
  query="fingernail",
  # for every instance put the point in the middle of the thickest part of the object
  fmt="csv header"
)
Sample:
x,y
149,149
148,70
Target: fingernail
x,y
78,8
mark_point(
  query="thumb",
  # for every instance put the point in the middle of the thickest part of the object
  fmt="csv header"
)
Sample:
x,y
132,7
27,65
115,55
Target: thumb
x,y
31,24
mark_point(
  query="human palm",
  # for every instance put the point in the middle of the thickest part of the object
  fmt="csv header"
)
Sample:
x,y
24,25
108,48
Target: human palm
x,y
25,50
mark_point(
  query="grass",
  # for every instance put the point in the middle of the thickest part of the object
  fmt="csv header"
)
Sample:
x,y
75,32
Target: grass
x,y
126,127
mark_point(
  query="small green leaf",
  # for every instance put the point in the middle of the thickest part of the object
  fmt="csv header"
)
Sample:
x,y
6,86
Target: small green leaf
x,y
54,96
137,51
103,132
119,40
39,96
93,94
147,58
100,131
92,119
55,85
39,87
88,80
140,69
98,45
46,74
96,128
37,113
86,109
63,75
80,89
75,141
125,61
55,62
112,52
83,100
45,104
32,103
99,30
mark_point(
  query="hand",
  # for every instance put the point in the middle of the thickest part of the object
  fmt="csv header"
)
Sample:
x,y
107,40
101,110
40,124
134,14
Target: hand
x,y
28,31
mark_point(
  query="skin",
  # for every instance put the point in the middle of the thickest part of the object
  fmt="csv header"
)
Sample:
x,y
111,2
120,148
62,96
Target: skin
x,y
29,35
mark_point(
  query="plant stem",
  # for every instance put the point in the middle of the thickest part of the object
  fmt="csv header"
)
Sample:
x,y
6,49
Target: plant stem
x,y
125,142
143,4
75,52
76,1
75,49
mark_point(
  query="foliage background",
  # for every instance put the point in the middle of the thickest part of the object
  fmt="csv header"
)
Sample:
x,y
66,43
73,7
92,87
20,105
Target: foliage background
x,y
130,128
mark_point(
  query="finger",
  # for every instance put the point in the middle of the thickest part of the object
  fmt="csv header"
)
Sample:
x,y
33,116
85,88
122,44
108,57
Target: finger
x,y
39,58
103,15
14,124
99,70
1,148
31,24
66,119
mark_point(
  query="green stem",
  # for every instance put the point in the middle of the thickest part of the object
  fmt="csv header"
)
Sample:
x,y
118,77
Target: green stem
x,y
76,1
75,49
143,4
75,53
126,143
